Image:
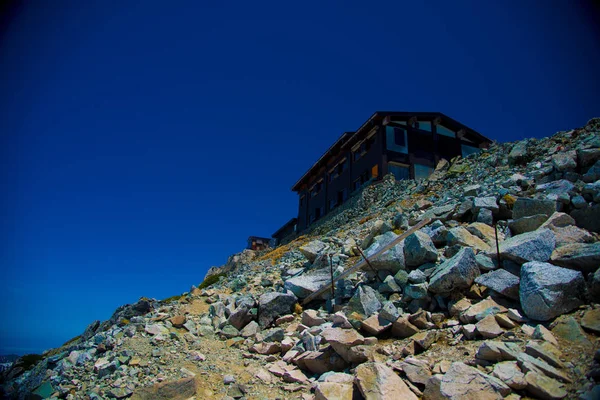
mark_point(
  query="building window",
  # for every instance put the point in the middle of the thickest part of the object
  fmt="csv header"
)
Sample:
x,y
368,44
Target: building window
x,y
333,204
356,184
422,171
342,166
316,189
311,218
396,139
342,196
302,200
442,130
423,125
400,171
364,148
375,171
468,150
318,213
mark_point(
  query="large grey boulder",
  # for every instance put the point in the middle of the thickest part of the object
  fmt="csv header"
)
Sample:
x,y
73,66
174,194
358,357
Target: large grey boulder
x,y
274,304
580,256
464,382
488,203
501,281
525,207
547,291
419,249
366,301
531,246
312,250
456,273
391,260
304,285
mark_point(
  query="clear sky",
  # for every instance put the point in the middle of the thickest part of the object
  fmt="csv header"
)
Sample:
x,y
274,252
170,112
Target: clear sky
x,y
143,141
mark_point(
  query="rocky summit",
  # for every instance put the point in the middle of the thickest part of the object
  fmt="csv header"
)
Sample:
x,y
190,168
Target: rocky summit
x,y
495,296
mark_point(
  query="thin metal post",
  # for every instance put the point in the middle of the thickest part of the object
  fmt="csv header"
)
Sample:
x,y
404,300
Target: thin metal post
x,y
331,273
497,246
368,263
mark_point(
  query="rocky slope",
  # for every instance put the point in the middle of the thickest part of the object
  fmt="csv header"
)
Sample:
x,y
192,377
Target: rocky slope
x,y
447,313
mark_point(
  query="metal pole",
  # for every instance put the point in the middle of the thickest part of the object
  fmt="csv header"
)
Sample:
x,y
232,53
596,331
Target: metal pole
x,y
331,273
497,246
368,263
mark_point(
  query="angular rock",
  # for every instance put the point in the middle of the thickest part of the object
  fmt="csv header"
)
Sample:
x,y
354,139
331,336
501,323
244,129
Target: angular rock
x,y
567,328
402,328
334,391
272,305
591,320
341,340
501,281
240,317
375,325
464,382
376,381
389,285
181,389
565,161
579,256
366,301
311,318
417,371
527,224
492,350
311,250
509,373
488,203
457,273
390,260
419,249
156,329
528,363
531,246
547,291
525,207
306,284
463,237
543,387
489,328
480,310
546,352
588,218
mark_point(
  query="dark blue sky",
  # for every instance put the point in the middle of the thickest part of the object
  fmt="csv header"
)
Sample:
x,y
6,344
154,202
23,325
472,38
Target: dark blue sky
x,y
142,144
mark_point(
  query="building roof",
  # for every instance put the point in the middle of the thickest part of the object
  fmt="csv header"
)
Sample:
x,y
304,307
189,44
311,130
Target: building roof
x,y
292,221
377,117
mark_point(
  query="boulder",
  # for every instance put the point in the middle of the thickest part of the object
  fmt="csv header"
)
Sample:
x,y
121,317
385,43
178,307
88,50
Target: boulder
x,y
547,291
519,153
419,249
274,304
311,318
488,203
580,256
544,387
176,390
480,310
366,301
464,382
525,207
488,327
527,224
304,285
456,273
376,381
417,371
531,246
501,281
591,320
312,249
403,328
240,317
565,161
391,260
509,373
588,218
342,340
463,237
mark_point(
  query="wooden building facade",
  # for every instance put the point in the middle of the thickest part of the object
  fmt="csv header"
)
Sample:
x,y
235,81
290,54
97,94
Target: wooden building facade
x,y
405,144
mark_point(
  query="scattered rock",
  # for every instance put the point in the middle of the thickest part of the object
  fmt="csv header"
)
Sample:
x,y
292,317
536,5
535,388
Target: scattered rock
x,y
547,291
378,381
